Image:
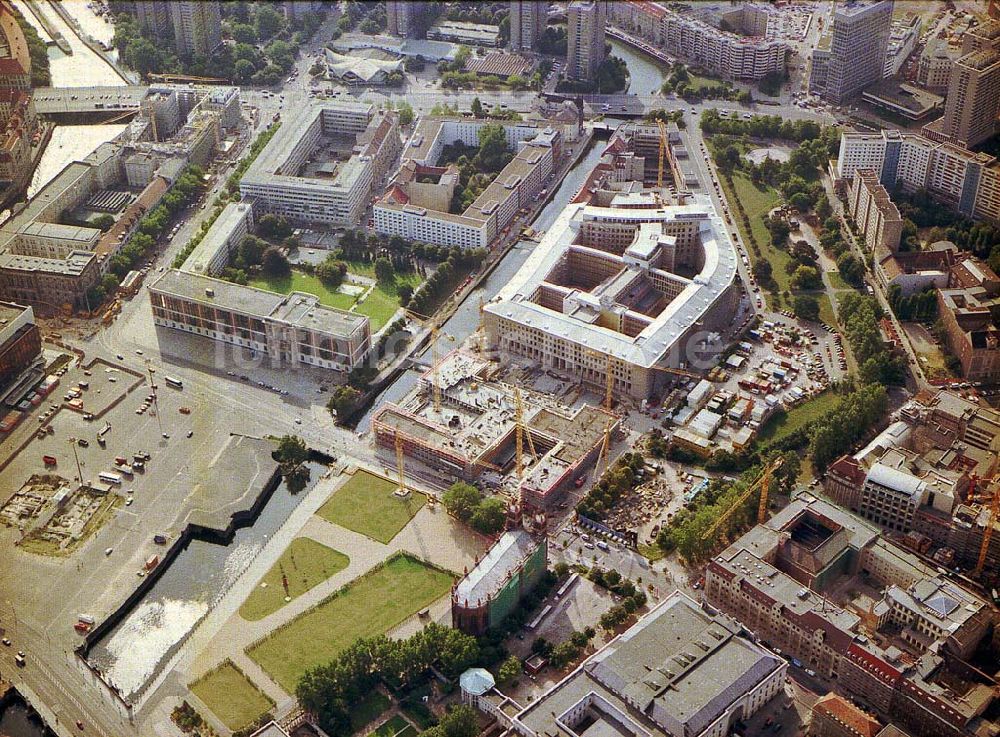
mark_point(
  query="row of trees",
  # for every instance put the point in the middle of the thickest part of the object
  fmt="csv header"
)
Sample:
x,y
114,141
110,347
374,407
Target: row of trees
x,y
566,652
859,317
143,241
835,434
38,52
617,480
468,504
329,691
919,306
678,82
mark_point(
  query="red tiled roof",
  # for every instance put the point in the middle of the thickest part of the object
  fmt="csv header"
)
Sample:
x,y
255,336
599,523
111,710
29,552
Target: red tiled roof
x,y
10,65
860,722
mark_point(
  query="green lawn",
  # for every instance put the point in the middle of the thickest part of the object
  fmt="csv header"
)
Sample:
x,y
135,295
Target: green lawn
x,y
305,563
391,727
757,201
371,605
380,304
837,281
366,504
782,425
826,313
231,696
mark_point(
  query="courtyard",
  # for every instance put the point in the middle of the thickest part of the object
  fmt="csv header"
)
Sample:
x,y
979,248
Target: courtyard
x,y
367,504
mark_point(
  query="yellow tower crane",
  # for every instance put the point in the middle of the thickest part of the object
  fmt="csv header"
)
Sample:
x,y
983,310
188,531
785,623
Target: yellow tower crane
x,y
602,458
432,325
520,433
762,482
984,547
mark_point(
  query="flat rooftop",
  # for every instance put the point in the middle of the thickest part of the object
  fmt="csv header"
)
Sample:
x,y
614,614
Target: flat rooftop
x,y
677,666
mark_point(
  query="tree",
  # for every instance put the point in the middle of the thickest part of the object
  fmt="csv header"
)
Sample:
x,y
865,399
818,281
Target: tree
x,y
806,277
274,227
806,307
405,292
489,517
477,108
104,222
461,721
274,263
292,450
510,670
343,401
405,111
384,272
851,268
267,21
331,272
461,500
493,152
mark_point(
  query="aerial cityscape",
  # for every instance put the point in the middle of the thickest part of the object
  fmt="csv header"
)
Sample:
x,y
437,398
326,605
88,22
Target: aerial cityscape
x,y
584,368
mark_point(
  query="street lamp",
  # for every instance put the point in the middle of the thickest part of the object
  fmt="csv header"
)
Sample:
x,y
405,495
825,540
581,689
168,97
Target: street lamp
x,y
79,473
156,404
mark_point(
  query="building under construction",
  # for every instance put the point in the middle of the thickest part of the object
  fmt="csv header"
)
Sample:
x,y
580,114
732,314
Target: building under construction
x,y
480,429
487,594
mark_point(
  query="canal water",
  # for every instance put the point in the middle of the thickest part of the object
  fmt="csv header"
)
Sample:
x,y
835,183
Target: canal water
x,y
17,721
646,75
131,654
466,318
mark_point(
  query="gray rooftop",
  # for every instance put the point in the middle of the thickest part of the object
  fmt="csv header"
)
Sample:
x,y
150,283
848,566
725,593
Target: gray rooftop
x,y
492,572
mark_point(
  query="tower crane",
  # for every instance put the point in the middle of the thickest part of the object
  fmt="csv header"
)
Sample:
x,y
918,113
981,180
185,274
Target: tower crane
x,y
399,460
520,432
435,386
762,482
602,457
663,152
984,547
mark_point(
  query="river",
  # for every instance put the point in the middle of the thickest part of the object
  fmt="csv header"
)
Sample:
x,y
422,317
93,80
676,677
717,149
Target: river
x,y
132,653
466,318
82,69
17,721
646,76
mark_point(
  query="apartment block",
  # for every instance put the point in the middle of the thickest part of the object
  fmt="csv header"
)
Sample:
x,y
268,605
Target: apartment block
x,y
292,330
854,54
197,26
722,53
415,203
585,43
873,212
409,18
283,180
826,588
215,250
967,309
973,98
967,181
528,21
934,68
20,343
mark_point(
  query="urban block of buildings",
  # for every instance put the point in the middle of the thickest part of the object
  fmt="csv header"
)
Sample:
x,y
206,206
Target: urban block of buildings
x,y
20,349
693,40
852,54
196,25
924,478
416,201
829,590
966,181
50,254
680,670
473,436
622,281
321,165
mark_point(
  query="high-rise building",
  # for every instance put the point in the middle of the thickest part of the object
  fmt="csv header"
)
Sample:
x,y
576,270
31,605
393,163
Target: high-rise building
x,y
528,19
973,99
585,49
857,48
408,18
152,16
197,27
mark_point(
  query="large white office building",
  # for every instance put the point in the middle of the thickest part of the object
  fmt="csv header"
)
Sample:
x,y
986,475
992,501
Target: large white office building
x,y
276,183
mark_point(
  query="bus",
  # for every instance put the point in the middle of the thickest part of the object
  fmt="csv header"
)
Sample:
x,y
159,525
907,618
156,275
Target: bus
x,y
110,478
171,381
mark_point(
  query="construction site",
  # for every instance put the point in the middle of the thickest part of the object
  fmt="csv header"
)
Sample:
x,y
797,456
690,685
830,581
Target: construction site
x,y
465,422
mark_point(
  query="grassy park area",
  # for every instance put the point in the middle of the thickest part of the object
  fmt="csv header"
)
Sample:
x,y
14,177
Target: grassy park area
x,y
783,424
380,304
305,563
231,696
371,605
366,504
